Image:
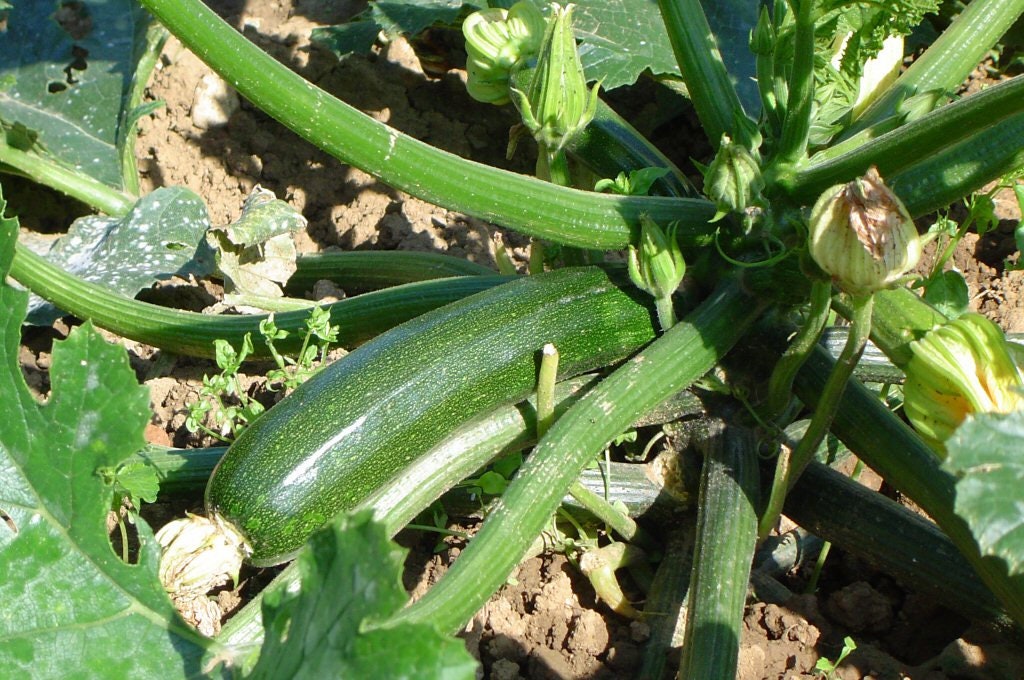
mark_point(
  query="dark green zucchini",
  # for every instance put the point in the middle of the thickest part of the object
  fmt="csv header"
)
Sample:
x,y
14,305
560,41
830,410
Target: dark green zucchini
x,y
363,419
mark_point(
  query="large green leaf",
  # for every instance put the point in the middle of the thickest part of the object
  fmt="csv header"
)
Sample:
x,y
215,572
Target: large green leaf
x,y
351,575
67,73
619,39
70,606
986,453
394,18
157,239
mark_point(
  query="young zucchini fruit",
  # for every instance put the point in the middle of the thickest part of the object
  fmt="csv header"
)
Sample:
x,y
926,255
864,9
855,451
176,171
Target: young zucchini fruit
x,y
362,420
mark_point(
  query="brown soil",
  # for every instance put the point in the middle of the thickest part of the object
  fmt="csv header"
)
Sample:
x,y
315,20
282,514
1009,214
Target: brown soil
x,y
548,624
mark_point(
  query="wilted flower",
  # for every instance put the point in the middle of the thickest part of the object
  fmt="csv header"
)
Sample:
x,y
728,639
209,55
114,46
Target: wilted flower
x,y
497,41
199,554
957,369
863,236
557,105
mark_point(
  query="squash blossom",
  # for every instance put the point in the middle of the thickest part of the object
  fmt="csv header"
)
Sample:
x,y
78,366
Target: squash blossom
x,y
557,105
863,236
957,369
497,42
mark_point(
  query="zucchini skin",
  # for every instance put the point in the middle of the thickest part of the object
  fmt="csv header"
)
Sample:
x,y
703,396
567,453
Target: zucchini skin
x,y
361,420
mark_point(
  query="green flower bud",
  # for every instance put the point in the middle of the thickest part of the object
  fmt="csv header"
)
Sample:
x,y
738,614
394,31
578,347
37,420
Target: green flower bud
x,y
863,236
497,41
762,38
557,105
733,180
957,369
657,266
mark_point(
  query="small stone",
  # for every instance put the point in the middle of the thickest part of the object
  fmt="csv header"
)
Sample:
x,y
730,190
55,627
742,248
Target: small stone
x,y
213,103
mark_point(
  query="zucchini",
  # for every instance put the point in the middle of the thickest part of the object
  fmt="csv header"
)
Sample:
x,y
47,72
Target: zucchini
x,y
362,420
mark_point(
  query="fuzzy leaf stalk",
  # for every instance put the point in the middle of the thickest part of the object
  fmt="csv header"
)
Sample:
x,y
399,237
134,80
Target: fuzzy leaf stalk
x,y
961,368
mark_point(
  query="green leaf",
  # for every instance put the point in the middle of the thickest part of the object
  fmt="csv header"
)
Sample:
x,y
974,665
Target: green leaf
x,y
620,39
985,454
350,576
157,239
256,255
71,607
72,84
948,293
404,17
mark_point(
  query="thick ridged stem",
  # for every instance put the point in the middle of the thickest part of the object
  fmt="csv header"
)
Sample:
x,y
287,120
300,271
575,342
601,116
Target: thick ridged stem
x,y
707,79
949,60
522,203
358,319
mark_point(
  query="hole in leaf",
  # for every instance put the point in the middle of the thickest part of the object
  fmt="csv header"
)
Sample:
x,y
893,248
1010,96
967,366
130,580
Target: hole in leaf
x,y
123,534
74,18
55,87
78,63
9,521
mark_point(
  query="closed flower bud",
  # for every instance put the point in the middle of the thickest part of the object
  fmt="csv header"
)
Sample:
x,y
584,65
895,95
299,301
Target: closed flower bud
x,y
557,105
497,41
957,369
733,180
863,236
657,266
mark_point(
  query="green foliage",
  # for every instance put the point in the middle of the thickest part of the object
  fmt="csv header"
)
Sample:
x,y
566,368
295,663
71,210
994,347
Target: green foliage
x,y
350,578
222,399
157,239
619,39
948,293
985,455
69,79
828,668
70,603
256,254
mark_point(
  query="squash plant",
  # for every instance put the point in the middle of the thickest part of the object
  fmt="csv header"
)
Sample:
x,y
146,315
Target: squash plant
x,y
807,208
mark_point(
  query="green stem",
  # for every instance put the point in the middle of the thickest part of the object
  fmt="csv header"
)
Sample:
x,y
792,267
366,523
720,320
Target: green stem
x,y
666,366
790,467
937,158
46,171
359,318
666,310
726,537
797,124
546,388
364,270
780,384
707,79
600,508
891,448
948,61
525,204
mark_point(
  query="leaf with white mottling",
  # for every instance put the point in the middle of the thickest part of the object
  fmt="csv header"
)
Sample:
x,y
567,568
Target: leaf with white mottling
x,y
256,255
71,607
156,240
